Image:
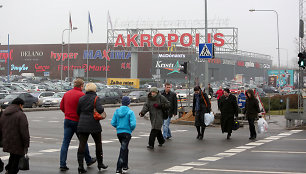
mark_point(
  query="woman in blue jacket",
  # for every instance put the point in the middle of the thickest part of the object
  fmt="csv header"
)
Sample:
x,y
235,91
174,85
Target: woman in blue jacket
x,y
125,122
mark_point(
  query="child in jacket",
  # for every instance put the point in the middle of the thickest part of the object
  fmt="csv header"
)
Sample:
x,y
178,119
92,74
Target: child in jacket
x,y
124,121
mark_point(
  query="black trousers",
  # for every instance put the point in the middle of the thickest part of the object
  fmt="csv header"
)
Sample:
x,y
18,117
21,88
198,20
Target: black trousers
x,y
12,166
156,133
252,127
83,137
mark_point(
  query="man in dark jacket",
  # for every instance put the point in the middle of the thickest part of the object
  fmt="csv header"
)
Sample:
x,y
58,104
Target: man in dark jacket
x,y
14,128
69,106
171,97
229,109
154,105
201,105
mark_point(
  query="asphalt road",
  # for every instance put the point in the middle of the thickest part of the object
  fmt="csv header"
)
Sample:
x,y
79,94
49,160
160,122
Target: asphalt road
x,y
277,151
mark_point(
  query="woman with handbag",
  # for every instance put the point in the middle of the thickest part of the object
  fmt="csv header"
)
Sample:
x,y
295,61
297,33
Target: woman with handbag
x,y
88,125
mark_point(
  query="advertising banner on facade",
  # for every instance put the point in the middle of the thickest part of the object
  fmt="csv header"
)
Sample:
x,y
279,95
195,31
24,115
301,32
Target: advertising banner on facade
x,y
286,77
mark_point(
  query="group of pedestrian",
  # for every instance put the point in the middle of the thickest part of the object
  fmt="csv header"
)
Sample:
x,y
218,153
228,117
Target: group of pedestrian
x,y
79,109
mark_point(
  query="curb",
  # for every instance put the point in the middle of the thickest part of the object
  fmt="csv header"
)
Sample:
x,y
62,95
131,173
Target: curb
x,y
58,108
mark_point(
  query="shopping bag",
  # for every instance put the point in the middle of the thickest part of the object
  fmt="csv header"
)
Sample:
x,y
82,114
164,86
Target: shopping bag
x,y
262,125
1,165
209,118
24,163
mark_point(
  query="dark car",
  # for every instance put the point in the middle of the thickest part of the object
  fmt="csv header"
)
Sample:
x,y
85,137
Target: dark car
x,y
270,89
109,97
118,91
29,100
138,96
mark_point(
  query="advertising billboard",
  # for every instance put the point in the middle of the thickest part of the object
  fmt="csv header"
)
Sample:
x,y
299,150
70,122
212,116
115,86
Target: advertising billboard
x,y
286,77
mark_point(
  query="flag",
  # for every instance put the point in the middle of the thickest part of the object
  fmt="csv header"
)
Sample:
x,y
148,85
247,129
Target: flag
x,y
70,22
109,20
89,22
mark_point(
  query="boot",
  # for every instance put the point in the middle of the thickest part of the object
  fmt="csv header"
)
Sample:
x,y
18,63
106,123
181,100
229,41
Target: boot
x,y
100,164
81,164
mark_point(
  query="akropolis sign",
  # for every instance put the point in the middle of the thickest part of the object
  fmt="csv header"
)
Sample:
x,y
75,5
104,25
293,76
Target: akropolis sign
x,y
159,40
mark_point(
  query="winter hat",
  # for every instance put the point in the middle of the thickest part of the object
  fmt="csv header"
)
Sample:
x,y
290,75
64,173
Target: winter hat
x,y
90,87
154,89
125,101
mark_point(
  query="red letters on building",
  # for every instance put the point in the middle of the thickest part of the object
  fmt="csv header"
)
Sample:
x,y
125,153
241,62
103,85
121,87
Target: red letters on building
x,y
162,38
143,40
240,63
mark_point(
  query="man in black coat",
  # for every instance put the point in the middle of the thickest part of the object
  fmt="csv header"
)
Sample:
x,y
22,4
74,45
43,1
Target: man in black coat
x,y
229,109
201,105
171,97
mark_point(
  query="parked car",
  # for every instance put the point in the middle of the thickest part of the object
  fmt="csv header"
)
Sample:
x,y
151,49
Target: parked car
x,y
38,88
29,100
138,96
183,93
261,92
270,89
2,95
109,97
41,96
54,100
286,90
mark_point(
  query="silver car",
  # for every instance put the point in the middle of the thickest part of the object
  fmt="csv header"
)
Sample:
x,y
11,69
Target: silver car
x,y
53,101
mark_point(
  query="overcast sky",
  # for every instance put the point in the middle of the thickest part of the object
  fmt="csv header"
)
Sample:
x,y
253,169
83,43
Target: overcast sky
x,y
42,21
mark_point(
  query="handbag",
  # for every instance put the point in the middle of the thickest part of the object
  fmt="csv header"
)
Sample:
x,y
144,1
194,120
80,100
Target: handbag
x,y
236,125
24,163
98,116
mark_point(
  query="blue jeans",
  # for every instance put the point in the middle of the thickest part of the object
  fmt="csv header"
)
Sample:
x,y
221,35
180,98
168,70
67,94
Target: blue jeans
x,y
124,139
70,127
166,128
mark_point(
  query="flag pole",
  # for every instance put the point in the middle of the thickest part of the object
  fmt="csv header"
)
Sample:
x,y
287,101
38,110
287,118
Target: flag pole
x,y
87,47
106,46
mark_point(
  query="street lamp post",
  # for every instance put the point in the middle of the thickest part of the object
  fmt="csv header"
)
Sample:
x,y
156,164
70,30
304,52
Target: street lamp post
x,y
287,66
253,10
74,28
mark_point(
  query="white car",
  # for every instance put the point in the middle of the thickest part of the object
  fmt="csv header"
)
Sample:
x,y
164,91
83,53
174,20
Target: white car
x,y
183,93
54,100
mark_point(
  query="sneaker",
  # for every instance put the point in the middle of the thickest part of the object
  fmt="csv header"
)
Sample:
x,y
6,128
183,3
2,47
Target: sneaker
x,y
150,147
93,160
118,172
65,168
125,170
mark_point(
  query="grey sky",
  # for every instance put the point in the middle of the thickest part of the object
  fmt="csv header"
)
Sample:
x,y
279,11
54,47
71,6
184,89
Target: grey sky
x,y
42,21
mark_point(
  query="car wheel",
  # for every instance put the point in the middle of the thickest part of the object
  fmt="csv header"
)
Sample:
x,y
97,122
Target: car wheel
x,y
34,105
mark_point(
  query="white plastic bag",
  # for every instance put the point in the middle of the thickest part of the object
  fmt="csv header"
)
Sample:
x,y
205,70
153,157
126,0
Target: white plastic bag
x,y
209,118
262,125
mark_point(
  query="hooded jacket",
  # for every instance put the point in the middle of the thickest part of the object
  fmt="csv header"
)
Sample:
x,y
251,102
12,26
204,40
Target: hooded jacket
x,y
124,120
14,128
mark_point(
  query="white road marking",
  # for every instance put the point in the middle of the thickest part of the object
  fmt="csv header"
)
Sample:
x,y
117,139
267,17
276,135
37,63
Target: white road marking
x,y
115,139
36,120
235,150
296,131
272,138
135,137
105,142
293,139
178,169
284,134
271,151
35,137
179,131
263,141
245,147
53,121
194,164
34,154
73,147
144,135
246,171
50,138
254,144
50,150
210,158
225,154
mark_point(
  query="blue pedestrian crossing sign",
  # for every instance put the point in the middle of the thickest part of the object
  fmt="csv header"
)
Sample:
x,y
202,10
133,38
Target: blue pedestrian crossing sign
x,y
206,51
241,100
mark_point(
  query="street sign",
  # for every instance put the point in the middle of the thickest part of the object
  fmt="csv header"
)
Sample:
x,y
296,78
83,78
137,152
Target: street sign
x,y
241,100
206,51
3,51
46,74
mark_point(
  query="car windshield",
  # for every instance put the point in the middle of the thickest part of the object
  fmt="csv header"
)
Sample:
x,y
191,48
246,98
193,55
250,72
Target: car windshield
x,y
101,94
11,96
134,93
58,95
35,94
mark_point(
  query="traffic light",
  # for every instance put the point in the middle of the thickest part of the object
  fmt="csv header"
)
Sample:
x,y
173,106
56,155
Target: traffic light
x,y
184,69
302,59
